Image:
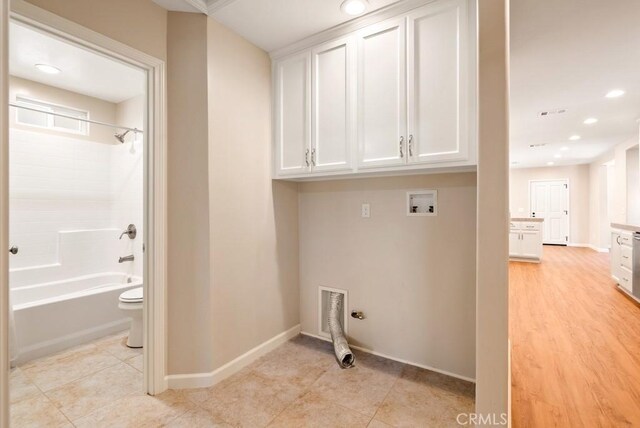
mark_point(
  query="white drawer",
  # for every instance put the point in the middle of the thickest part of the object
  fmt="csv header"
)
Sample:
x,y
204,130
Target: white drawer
x,y
626,256
528,225
626,278
515,225
626,238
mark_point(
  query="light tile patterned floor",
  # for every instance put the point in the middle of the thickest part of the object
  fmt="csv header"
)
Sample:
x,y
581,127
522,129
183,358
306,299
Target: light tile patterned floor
x,y
297,385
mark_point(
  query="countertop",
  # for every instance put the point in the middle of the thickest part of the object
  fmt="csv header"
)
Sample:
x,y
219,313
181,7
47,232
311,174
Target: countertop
x,y
629,227
527,219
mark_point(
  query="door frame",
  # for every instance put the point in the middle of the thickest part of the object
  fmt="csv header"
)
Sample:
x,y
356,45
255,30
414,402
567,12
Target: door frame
x,y
155,173
568,184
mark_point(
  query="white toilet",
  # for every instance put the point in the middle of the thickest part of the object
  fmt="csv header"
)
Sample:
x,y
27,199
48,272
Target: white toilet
x,y
131,305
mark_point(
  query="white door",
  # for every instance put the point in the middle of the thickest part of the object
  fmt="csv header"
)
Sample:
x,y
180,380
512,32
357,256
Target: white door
x,y
549,200
382,95
333,105
437,89
293,102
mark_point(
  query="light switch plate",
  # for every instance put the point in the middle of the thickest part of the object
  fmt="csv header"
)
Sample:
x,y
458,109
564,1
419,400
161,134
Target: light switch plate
x,y
366,210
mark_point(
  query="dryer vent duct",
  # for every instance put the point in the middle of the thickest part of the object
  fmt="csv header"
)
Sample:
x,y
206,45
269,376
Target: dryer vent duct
x,y
345,357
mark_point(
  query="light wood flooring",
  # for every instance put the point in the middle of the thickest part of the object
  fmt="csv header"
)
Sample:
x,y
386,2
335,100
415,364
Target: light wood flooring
x,y
575,343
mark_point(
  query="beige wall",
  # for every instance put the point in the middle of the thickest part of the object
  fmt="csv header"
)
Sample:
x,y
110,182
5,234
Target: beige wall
x,y
141,24
413,277
189,294
254,235
492,297
98,109
578,176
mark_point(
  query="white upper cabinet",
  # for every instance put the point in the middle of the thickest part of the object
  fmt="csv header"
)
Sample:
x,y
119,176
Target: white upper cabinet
x,y
395,95
293,130
382,94
437,46
333,106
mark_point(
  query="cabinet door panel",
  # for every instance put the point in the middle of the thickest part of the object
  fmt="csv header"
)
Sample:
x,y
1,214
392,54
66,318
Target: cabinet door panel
x,y
292,114
437,88
382,94
531,244
514,243
333,120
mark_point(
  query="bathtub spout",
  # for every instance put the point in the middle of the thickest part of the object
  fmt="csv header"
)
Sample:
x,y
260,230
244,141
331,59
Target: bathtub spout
x,y
126,259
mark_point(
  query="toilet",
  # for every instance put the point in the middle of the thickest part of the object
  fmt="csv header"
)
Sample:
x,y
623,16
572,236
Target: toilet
x,y
131,305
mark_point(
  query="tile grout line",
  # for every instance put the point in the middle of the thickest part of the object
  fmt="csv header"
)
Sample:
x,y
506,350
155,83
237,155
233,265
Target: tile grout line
x,y
387,395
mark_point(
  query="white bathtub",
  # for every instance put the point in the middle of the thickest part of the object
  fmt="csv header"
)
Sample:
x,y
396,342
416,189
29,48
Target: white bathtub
x,y
53,316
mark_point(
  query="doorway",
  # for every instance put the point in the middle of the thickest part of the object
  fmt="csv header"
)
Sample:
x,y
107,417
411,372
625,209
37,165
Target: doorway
x,y
148,143
549,199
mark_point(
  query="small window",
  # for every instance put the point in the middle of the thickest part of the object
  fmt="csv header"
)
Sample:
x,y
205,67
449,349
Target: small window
x,y
49,121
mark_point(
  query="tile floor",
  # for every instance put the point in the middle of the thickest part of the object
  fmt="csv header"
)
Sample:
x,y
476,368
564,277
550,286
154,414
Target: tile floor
x,y
297,385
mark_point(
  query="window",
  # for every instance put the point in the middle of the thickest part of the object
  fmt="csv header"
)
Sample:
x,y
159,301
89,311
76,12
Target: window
x,y
49,121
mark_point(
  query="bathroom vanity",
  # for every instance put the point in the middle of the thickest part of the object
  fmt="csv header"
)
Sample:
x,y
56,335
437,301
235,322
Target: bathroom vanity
x,y
625,258
525,239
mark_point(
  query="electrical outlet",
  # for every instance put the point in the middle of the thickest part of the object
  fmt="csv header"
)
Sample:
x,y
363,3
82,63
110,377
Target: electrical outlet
x,y
366,211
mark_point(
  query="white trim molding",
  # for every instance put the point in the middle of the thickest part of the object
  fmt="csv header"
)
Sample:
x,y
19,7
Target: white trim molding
x,y
154,171
216,5
4,217
204,380
593,247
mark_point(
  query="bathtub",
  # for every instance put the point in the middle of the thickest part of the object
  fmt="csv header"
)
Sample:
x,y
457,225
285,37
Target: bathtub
x,y
53,316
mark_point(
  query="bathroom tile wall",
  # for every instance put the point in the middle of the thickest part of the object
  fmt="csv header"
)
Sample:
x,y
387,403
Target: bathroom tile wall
x,y
62,184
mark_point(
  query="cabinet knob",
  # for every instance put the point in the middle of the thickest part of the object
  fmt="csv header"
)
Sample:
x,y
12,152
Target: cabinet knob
x,y
13,250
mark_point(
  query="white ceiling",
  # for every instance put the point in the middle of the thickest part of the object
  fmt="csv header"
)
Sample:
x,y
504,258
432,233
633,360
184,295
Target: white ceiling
x,y
569,54
82,71
272,24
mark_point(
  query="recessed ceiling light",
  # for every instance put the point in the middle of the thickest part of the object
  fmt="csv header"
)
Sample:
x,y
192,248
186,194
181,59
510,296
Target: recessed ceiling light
x,y
550,163
590,121
557,156
49,69
564,149
574,138
354,7
615,93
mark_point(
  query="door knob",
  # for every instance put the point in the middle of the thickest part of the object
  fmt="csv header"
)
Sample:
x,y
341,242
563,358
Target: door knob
x,y
13,250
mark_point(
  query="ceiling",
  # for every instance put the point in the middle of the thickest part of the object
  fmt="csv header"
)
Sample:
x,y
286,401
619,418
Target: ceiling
x,y
82,71
567,55
272,24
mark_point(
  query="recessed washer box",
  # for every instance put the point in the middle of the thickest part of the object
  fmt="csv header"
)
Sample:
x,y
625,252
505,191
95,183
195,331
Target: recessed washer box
x,y
323,310
422,203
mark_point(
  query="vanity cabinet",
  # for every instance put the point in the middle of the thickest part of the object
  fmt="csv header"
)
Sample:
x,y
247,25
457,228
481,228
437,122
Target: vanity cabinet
x,y
621,257
395,96
525,241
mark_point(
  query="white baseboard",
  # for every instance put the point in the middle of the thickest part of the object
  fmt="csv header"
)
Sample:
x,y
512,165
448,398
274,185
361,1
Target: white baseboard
x,y
204,380
422,366
593,247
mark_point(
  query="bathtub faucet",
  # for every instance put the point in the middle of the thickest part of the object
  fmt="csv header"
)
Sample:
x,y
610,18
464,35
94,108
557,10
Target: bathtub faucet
x,y
126,259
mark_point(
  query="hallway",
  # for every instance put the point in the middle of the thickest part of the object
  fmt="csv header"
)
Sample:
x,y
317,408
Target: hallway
x,y
575,343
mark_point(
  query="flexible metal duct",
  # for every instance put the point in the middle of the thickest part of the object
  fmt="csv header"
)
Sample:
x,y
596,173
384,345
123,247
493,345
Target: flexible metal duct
x,y
344,355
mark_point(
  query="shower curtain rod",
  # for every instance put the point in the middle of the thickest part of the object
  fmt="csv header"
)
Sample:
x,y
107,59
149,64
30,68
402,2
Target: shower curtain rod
x,y
96,122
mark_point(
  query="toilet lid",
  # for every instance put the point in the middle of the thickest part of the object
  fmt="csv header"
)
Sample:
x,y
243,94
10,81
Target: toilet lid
x,y
133,295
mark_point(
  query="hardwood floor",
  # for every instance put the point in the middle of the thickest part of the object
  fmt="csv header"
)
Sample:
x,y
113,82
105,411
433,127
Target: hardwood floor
x,y
575,343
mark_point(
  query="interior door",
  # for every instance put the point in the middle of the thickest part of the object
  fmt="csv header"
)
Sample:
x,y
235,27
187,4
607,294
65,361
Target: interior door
x,y
549,200
382,95
333,102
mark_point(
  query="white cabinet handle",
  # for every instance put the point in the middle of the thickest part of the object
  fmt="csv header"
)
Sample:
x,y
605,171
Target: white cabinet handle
x,y
401,147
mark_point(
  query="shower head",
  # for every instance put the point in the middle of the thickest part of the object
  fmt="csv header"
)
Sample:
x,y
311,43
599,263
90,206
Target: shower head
x,y
120,137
